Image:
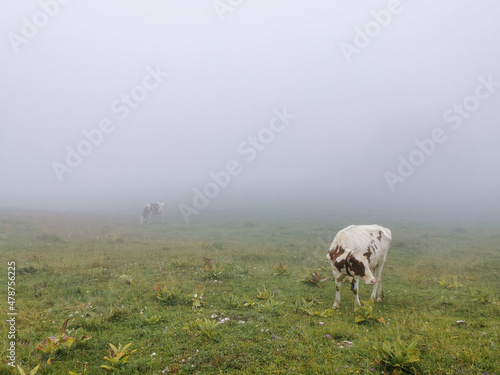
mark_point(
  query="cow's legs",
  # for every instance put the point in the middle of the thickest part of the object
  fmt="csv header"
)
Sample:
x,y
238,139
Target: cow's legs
x,y
375,287
355,290
338,284
380,291
378,285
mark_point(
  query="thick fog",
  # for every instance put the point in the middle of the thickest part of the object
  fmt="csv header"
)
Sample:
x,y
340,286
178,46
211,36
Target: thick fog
x,y
335,106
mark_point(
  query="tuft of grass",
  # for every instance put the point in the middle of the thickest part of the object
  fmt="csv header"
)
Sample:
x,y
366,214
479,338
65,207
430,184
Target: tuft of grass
x,y
316,279
153,319
26,270
178,263
269,306
301,305
53,344
450,282
396,356
280,269
126,279
211,270
32,372
264,294
481,296
249,302
167,296
204,327
364,313
117,356
233,301
447,298
35,258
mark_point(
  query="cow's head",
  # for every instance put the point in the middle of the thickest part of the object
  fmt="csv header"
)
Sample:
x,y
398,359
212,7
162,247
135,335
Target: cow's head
x,y
359,268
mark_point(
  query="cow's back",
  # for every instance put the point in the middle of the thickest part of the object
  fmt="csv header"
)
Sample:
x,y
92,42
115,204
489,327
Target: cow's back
x,y
373,240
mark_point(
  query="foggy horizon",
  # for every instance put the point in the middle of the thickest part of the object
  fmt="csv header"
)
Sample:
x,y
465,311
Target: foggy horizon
x,y
374,108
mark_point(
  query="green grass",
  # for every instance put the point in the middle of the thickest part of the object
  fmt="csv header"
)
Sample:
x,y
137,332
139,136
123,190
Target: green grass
x,y
441,284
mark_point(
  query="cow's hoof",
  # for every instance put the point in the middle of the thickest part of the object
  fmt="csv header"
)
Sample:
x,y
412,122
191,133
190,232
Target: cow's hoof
x,y
335,307
379,299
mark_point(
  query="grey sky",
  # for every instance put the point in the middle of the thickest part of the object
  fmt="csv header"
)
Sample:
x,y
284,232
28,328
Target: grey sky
x,y
228,71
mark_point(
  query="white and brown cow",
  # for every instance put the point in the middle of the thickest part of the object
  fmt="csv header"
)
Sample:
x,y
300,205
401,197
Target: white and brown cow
x,y
359,251
157,208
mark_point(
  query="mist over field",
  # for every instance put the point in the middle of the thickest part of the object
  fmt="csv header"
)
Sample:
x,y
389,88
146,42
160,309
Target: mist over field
x,y
265,126
375,108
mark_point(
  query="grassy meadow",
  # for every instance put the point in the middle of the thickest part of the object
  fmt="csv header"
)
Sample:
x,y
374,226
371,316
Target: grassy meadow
x,y
237,294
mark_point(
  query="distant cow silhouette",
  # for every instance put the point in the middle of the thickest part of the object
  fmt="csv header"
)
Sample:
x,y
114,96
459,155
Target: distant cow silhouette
x,y
157,208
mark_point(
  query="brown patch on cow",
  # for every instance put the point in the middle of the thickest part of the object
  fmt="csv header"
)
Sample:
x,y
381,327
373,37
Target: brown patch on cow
x,y
335,254
339,264
356,267
371,249
155,207
379,235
